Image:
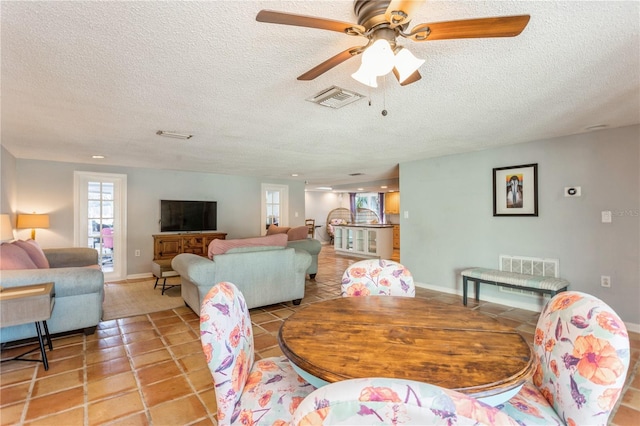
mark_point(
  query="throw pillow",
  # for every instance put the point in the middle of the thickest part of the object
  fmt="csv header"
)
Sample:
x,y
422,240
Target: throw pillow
x,y
14,257
298,233
34,251
275,229
222,246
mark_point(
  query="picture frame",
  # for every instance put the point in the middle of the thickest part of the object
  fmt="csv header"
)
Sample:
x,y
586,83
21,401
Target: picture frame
x,y
515,190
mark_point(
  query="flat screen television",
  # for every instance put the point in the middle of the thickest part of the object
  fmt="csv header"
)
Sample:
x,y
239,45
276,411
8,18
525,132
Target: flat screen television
x,y
188,216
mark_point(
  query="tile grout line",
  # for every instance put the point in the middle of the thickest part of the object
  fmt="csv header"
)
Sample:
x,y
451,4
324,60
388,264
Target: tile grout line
x,y
85,378
209,415
145,409
32,385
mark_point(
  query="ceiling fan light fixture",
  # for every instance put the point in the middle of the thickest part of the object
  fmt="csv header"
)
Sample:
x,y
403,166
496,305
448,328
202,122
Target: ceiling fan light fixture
x,y
406,63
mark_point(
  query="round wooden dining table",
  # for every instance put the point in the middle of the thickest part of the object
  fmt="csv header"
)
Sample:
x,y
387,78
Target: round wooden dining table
x,y
409,338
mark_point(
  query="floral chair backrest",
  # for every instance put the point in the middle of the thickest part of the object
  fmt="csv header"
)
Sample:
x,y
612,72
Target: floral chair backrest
x,y
384,401
227,341
377,277
582,349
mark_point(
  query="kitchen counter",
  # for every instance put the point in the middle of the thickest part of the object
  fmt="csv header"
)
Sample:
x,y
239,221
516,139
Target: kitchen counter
x,y
364,240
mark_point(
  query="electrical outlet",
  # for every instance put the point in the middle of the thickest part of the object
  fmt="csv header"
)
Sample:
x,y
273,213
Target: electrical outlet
x,y
137,253
605,281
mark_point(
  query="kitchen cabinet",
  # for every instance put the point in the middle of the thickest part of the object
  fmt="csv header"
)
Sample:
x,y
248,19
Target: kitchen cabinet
x,y
392,203
364,240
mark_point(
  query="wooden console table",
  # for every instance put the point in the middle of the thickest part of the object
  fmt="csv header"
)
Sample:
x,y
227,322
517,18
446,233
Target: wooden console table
x,y
168,246
29,303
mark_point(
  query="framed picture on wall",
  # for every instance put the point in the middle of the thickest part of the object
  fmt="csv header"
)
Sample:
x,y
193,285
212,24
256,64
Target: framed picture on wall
x,y
515,190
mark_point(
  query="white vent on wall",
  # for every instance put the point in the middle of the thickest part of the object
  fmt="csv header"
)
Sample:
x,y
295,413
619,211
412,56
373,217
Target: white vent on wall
x,y
529,266
335,97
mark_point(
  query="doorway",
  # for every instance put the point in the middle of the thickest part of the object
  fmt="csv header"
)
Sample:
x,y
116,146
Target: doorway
x,y
275,205
100,219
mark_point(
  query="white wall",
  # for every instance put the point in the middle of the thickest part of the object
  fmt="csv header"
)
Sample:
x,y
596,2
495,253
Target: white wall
x,y
47,187
451,224
8,190
318,205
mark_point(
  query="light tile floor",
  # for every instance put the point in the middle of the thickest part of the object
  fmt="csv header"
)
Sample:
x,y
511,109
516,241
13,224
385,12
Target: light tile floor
x,y
149,369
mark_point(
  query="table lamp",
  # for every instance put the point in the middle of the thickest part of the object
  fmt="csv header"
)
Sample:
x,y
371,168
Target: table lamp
x,y
6,230
33,221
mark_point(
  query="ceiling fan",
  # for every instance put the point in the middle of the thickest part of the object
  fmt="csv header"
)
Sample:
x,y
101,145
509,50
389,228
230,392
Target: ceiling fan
x,y
382,22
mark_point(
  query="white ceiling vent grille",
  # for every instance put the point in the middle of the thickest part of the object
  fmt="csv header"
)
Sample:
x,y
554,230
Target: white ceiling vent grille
x,y
335,97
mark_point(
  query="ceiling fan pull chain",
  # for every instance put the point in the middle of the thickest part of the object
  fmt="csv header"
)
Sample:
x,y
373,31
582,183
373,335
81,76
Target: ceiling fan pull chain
x,y
384,96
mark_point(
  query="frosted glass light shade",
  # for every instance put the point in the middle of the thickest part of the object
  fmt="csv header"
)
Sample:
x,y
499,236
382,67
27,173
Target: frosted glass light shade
x,y
378,58
364,77
406,64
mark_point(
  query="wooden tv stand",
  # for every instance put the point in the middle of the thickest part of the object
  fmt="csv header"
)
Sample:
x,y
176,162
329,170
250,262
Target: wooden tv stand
x,y
168,246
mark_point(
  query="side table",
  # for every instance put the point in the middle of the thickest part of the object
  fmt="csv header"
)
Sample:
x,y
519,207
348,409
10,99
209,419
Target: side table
x,y
162,269
30,303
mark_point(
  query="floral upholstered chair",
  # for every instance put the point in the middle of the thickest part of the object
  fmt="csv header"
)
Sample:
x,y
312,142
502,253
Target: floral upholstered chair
x,y
582,353
383,401
377,277
265,392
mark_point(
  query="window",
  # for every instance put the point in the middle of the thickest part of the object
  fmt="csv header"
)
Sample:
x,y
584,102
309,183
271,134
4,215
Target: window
x,y
367,207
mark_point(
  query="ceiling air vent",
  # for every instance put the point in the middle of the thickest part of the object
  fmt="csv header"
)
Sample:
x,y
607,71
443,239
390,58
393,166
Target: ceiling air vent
x,y
335,97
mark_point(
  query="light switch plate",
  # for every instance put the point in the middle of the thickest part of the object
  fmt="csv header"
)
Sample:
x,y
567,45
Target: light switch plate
x,y
606,216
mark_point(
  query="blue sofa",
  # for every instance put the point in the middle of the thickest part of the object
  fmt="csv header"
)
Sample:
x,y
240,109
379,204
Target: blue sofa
x,y
265,275
79,291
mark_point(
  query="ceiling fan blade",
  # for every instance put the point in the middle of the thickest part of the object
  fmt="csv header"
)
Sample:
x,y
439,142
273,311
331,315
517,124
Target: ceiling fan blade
x,y
505,26
330,63
273,17
399,12
411,79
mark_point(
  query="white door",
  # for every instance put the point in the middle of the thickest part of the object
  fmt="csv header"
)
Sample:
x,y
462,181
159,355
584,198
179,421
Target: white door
x,y
100,219
275,205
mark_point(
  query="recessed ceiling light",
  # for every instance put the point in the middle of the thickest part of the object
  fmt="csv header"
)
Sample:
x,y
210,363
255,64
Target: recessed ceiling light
x,y
174,135
97,157
294,174
326,188
360,189
384,187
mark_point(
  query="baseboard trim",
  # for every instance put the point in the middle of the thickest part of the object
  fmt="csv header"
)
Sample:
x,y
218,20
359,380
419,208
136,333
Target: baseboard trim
x,y
140,276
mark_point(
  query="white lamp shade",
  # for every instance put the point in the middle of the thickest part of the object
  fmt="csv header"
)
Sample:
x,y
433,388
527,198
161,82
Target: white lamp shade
x,y
406,64
6,230
364,77
378,58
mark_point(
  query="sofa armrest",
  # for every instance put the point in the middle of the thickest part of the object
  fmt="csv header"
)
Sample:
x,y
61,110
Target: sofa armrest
x,y
67,281
71,256
194,268
302,260
310,245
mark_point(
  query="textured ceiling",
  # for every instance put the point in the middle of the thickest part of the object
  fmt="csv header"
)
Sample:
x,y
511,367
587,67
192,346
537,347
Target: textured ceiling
x,y
84,78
